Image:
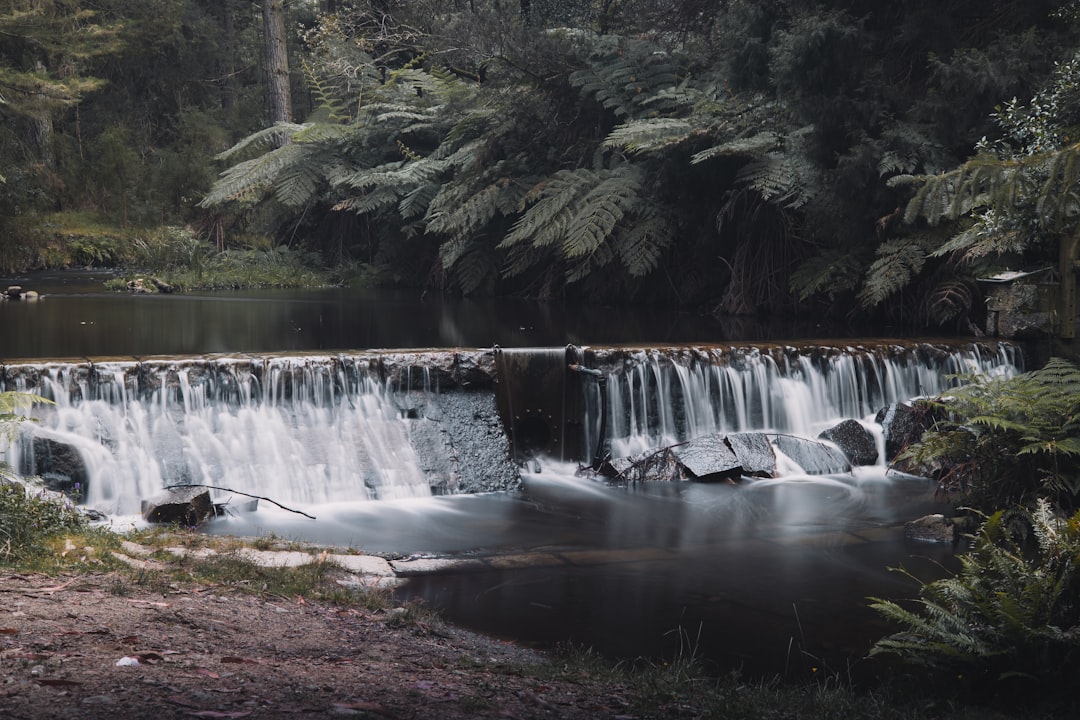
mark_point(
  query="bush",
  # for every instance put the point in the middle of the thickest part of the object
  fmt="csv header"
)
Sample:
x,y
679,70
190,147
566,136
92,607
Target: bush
x,y
29,519
1011,612
1007,441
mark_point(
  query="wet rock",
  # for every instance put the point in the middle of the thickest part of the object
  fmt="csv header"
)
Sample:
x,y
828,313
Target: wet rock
x,y
755,453
902,424
14,292
187,506
60,466
814,457
710,458
856,442
931,528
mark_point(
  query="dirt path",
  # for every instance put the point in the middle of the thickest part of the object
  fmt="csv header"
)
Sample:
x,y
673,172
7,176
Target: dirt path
x,y
64,640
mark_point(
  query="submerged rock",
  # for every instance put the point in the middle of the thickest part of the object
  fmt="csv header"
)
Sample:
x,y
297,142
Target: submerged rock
x,y
931,528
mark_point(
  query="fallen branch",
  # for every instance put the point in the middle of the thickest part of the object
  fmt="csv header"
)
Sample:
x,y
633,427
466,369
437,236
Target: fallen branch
x,y
257,497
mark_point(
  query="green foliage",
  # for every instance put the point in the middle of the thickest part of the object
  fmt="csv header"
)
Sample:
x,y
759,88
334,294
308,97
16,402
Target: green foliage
x,y
1010,612
29,520
1008,440
13,408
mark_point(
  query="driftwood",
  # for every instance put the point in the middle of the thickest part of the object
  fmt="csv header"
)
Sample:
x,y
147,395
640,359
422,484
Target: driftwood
x,y
237,492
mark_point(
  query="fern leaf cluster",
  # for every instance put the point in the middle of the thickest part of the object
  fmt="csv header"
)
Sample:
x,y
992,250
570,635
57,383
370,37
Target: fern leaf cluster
x,y
624,78
898,261
1009,439
1010,610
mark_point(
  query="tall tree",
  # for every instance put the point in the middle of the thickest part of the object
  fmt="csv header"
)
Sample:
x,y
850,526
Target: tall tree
x,y
278,93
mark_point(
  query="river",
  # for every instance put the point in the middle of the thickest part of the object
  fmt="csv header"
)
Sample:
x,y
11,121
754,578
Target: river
x,y
770,576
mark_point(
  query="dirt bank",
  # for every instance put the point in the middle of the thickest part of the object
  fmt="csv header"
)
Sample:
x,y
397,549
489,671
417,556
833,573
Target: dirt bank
x,y
96,647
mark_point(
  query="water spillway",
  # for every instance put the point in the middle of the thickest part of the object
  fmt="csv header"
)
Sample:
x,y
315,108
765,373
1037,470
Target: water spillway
x,y
323,428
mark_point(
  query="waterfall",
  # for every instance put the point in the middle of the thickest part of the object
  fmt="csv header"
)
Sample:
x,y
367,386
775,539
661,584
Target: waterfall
x,y
662,396
300,430
321,429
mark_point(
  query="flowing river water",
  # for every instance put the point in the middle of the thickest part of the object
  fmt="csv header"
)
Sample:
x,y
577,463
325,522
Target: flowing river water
x,y
420,427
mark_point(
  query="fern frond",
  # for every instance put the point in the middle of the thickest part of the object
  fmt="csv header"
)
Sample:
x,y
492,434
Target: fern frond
x,y
374,200
640,248
753,146
898,261
601,210
416,202
254,176
553,204
775,177
638,136
273,136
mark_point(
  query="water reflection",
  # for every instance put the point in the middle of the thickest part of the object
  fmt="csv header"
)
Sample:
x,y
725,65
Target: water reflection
x,y
767,576
76,318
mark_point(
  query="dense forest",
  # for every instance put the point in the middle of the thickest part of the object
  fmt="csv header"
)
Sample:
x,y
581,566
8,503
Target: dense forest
x,y
846,157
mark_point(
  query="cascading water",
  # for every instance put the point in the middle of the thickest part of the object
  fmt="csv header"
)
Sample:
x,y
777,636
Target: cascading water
x,y
328,429
661,397
303,430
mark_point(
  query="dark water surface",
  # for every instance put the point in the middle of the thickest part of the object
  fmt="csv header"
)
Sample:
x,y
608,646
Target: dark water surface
x,y
75,318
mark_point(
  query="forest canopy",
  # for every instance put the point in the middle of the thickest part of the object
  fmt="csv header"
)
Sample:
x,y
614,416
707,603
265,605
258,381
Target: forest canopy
x,y
844,157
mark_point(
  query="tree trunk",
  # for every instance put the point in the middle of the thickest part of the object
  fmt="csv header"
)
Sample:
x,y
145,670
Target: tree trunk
x,y
279,98
228,65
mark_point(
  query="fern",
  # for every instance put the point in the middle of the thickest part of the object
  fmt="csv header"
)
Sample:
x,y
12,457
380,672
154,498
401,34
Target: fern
x,y
994,421
601,210
1010,610
553,203
650,134
753,146
640,248
897,262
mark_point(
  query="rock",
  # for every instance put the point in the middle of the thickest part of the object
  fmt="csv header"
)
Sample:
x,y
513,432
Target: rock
x,y
931,528
854,440
162,286
714,457
755,453
139,286
14,292
60,466
187,506
708,457
814,457
902,425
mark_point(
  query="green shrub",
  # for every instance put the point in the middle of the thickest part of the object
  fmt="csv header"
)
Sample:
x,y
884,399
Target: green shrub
x,y
1012,611
1007,441
29,519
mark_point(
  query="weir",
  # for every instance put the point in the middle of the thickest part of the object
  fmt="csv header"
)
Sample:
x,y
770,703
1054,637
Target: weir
x,y
309,429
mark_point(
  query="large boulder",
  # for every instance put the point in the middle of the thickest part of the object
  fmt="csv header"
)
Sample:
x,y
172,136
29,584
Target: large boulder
x,y
60,466
815,458
854,440
902,424
714,457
